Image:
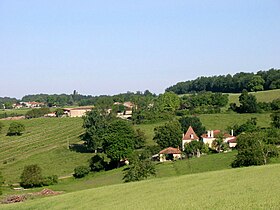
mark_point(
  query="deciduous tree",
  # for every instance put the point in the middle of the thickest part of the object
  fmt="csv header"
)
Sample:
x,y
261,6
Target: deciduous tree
x,y
168,135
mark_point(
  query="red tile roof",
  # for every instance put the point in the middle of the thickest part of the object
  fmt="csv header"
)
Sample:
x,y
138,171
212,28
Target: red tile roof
x,y
233,140
170,150
190,134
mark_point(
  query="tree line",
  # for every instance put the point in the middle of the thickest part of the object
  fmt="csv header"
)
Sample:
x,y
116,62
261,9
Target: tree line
x,y
262,80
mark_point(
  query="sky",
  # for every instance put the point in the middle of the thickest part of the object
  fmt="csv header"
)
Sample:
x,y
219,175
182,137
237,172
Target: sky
x,y
115,46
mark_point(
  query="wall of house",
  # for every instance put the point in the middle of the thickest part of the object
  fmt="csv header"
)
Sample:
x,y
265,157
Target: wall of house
x,y
77,112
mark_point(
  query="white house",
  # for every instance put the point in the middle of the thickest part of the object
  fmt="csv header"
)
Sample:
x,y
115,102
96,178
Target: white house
x,y
211,135
188,137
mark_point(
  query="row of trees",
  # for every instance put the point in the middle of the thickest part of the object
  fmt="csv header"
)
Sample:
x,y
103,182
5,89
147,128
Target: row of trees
x,y
262,80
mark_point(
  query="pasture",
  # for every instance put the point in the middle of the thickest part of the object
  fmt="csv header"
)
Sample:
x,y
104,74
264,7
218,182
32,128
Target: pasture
x,y
242,188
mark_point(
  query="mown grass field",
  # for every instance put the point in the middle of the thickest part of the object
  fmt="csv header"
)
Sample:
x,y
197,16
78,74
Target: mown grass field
x,y
243,188
45,142
262,96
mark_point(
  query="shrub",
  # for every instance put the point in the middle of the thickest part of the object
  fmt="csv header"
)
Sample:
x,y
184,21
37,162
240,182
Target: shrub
x,y
99,162
81,171
31,176
50,180
15,129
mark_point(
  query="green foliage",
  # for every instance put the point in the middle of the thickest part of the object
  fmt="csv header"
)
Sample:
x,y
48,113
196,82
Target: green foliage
x,y
193,148
275,104
81,171
15,129
119,140
95,123
249,126
263,80
256,83
140,139
248,103
275,118
168,135
252,150
204,102
99,162
167,102
139,169
193,121
38,112
31,176
59,112
50,180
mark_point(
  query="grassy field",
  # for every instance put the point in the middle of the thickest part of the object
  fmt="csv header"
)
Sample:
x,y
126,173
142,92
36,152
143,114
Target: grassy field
x,y
44,142
222,121
262,96
243,188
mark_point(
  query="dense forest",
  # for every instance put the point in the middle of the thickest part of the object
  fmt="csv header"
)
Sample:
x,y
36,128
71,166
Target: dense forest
x,y
262,80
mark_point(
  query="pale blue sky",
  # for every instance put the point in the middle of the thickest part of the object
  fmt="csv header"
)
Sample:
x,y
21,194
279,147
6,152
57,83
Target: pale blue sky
x,y
108,47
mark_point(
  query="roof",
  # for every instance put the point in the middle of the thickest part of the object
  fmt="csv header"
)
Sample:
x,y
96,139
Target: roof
x,y
233,140
216,133
190,134
79,108
170,150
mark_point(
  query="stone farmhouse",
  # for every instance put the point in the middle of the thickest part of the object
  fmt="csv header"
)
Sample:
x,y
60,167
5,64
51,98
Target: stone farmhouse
x,y
170,153
77,111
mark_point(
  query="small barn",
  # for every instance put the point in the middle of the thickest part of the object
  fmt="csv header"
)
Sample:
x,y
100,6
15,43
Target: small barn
x,y
170,153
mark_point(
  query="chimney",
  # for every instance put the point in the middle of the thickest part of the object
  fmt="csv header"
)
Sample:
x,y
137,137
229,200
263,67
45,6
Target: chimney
x,y
232,132
208,134
212,134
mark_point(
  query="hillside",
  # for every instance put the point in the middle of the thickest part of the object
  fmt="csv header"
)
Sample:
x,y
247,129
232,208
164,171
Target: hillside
x,y
44,142
262,96
243,188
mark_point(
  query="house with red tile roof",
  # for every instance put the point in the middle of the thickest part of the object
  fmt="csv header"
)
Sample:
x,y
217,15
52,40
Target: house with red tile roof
x,y
212,135
188,137
170,153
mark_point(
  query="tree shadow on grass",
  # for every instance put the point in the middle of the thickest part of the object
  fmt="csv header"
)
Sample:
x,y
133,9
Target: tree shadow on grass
x,y
81,148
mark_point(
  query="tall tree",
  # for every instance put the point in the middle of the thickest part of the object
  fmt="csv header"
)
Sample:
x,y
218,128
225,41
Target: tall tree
x,y
248,103
193,121
252,150
119,140
168,135
95,124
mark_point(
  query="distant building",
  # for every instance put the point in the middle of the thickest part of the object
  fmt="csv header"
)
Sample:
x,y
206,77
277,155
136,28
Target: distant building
x,y
188,137
170,153
32,104
211,135
77,111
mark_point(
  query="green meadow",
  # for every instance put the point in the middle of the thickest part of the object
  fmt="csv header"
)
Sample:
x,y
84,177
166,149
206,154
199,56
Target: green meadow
x,y
262,96
46,141
242,188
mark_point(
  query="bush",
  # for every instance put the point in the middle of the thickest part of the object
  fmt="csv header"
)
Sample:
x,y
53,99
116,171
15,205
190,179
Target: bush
x,y
31,176
139,170
99,162
15,129
81,171
50,180
35,113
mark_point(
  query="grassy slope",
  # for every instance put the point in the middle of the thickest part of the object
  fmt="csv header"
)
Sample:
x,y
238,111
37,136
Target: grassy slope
x,y
44,142
222,121
262,96
244,188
